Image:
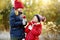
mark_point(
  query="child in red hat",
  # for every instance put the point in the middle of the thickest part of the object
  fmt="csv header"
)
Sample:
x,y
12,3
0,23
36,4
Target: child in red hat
x,y
17,21
34,27
18,4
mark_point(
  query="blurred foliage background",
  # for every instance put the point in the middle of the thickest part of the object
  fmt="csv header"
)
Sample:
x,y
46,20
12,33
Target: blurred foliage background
x,y
48,8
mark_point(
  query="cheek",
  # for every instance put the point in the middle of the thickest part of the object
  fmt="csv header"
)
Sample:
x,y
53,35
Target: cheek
x,y
35,20
21,11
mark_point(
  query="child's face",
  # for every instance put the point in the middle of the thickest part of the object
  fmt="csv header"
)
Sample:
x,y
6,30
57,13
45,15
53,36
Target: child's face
x,y
20,9
35,19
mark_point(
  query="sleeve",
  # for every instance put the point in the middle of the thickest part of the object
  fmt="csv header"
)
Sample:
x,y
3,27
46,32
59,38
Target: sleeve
x,y
27,30
37,31
12,20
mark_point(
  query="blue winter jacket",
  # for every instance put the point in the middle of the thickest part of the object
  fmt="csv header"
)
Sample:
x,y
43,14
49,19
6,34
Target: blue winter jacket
x,y
17,28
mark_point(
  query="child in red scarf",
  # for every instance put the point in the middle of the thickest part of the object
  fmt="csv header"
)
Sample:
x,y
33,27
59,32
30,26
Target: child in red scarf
x,y
34,27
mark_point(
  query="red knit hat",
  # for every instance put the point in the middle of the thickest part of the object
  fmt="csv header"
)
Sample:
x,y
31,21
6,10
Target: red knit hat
x,y
18,4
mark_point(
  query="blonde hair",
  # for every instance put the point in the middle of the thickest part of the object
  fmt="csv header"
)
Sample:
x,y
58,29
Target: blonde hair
x,y
16,12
